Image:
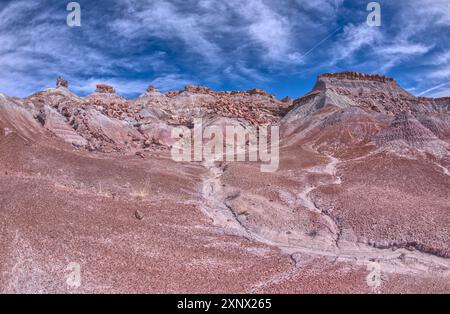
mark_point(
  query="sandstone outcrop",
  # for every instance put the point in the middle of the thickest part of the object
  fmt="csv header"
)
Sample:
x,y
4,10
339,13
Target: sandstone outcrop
x,y
104,88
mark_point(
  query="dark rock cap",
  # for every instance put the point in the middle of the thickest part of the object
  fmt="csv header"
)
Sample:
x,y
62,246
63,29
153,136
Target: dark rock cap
x,y
105,89
196,89
357,76
257,91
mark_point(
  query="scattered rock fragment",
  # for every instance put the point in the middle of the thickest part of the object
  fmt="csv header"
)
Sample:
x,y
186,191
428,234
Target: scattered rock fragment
x,y
140,154
139,215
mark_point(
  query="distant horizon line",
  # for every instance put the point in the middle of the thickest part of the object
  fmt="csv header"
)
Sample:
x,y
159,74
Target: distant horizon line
x,y
206,88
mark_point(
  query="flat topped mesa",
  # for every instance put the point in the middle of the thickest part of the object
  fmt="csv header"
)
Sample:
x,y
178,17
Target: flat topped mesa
x,y
105,89
60,82
357,76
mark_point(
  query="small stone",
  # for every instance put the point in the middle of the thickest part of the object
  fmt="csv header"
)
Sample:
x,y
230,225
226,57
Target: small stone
x,y
138,215
242,211
410,248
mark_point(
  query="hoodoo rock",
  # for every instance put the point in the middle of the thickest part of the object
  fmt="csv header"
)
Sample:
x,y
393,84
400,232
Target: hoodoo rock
x,y
60,82
151,89
105,89
196,89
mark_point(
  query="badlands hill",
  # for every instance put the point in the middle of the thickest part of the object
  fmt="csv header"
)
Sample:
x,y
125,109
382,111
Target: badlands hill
x,y
364,177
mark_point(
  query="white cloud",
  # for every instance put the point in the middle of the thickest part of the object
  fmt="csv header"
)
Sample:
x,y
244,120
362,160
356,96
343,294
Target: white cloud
x,y
403,49
171,82
395,53
268,29
441,68
32,54
244,41
436,11
440,73
444,92
241,73
362,45
325,7
440,90
164,20
220,32
354,39
443,58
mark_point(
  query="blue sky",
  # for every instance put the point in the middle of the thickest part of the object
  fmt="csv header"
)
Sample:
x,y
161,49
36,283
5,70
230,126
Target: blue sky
x,y
277,45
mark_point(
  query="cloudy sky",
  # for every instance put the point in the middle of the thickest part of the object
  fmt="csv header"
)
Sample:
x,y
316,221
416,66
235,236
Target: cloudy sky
x,y
277,45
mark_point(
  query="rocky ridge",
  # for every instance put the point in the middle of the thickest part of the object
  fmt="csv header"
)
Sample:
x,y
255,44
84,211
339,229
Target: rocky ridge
x,y
107,122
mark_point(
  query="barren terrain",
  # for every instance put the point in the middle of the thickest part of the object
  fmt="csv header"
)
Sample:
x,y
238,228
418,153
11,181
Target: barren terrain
x,y
363,180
